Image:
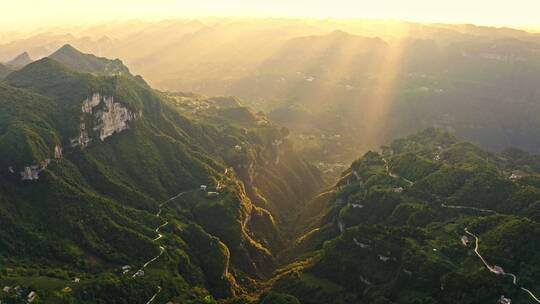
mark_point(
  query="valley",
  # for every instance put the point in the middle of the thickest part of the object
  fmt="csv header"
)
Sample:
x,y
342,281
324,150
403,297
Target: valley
x,y
326,82
218,242
331,166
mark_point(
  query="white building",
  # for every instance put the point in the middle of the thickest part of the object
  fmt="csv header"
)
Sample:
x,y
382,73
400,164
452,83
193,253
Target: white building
x,y
31,296
465,240
212,194
384,258
398,189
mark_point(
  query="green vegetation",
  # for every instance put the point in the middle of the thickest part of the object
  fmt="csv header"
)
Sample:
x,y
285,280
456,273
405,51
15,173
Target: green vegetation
x,y
67,234
397,242
88,63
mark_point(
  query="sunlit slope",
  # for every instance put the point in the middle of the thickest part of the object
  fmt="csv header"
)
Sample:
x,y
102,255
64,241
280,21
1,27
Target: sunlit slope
x,y
337,77
392,229
99,153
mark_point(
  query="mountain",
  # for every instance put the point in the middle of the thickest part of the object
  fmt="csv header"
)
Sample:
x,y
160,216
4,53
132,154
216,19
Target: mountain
x,y
99,171
19,61
400,226
88,63
4,71
323,78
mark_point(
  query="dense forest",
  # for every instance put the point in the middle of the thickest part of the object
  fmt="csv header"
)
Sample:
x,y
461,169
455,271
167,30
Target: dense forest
x,y
116,191
93,160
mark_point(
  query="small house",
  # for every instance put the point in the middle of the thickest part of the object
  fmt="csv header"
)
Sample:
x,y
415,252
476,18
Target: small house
x,y
517,175
31,296
504,300
497,269
18,290
398,189
356,205
212,194
384,258
203,187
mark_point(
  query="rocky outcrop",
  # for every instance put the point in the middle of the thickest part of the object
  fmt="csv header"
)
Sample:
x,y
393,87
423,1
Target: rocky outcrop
x,y
113,119
83,139
90,103
107,117
57,152
32,172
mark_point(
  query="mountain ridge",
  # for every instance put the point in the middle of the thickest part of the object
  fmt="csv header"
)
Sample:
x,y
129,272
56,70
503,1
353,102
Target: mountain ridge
x,y
88,202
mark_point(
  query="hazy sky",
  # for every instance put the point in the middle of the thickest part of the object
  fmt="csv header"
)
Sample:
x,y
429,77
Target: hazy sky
x,y
16,13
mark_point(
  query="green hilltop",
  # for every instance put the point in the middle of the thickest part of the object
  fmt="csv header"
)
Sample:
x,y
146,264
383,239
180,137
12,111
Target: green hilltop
x,y
87,63
392,230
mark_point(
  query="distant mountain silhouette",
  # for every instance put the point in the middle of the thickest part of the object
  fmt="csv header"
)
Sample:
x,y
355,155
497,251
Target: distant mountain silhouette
x,y
88,63
19,61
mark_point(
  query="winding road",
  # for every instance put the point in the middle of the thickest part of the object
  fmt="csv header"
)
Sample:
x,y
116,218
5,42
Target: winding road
x,y
387,168
468,208
499,271
159,236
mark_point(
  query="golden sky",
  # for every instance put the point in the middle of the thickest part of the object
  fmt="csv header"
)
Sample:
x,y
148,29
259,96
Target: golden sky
x,y
17,13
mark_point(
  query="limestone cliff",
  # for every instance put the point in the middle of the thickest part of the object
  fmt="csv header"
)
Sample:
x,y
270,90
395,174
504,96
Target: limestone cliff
x,y
101,117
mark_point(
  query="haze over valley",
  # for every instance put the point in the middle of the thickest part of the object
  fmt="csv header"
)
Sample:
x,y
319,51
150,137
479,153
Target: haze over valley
x,y
264,160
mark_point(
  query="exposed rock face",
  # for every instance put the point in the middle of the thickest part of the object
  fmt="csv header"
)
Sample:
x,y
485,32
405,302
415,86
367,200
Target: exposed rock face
x,y
110,117
90,103
57,152
32,172
113,119
83,139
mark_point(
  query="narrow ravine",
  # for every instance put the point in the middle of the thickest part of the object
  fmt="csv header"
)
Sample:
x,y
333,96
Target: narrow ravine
x,y
159,236
498,270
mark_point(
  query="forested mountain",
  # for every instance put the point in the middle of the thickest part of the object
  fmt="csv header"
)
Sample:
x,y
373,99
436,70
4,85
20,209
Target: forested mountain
x,y
116,191
88,63
101,177
4,71
19,61
340,87
401,226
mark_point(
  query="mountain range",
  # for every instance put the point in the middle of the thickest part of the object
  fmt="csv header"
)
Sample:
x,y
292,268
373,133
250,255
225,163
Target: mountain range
x,y
112,191
88,159
322,79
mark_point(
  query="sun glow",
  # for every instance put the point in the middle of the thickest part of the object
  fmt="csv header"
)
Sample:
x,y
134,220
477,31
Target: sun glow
x,y
36,12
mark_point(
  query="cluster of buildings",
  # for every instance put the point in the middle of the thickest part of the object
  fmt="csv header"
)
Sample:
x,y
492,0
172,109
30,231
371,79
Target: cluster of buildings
x,y
18,292
209,194
126,269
